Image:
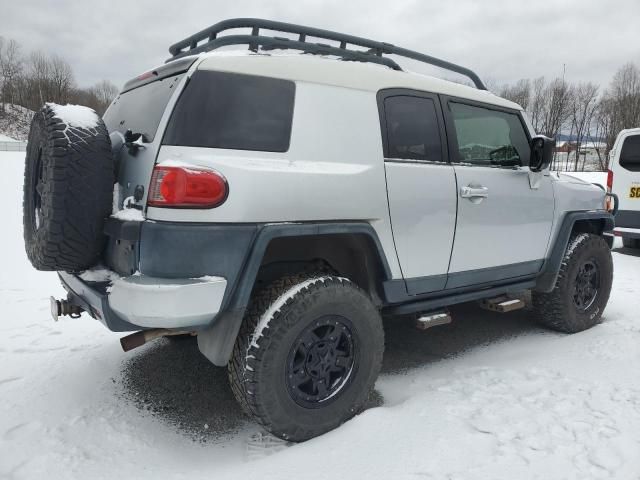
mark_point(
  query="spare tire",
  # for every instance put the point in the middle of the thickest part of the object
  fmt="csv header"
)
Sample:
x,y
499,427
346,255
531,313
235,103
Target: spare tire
x,y
68,188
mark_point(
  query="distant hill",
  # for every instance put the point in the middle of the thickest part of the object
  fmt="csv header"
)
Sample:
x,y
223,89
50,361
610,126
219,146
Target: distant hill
x,y
561,137
15,121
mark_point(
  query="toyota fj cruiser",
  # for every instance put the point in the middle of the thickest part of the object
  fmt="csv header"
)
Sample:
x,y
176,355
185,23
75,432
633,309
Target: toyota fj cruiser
x,y
277,205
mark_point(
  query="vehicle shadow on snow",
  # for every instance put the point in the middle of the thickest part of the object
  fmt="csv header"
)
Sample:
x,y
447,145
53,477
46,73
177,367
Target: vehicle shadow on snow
x,y
172,381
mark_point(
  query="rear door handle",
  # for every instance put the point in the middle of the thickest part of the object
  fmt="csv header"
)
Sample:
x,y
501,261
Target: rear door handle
x,y
474,192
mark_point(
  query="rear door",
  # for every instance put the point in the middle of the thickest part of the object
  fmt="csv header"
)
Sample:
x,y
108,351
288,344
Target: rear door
x,y
421,187
505,212
143,107
626,181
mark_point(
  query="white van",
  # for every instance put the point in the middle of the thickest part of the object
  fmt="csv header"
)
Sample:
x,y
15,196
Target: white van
x,y
624,180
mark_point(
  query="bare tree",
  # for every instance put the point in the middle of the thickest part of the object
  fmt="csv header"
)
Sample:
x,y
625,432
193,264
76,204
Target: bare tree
x,y
619,107
625,88
60,80
583,104
537,103
556,101
105,92
519,93
38,79
10,69
97,97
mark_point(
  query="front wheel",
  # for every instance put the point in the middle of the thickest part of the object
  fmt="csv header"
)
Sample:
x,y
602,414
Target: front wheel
x,y
308,355
582,288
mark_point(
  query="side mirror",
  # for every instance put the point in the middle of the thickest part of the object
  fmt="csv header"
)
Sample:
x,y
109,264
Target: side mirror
x,y
541,152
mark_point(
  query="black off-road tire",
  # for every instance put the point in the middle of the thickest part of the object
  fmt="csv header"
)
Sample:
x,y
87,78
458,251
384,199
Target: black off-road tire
x,y
68,191
558,309
630,243
276,319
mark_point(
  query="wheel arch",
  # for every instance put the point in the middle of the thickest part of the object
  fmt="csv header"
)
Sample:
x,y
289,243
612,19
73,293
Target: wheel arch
x,y
351,249
595,222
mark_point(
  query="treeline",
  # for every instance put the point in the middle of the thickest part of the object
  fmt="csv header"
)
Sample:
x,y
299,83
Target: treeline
x,y
584,111
31,79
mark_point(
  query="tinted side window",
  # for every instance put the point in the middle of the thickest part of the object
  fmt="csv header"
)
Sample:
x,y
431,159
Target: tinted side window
x,y
630,153
228,110
489,137
412,128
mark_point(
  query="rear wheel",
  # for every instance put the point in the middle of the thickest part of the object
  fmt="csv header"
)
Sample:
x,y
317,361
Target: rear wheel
x,y
630,243
582,288
308,355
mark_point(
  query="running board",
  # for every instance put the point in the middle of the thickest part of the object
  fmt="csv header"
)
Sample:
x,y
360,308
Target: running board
x,y
502,304
433,319
430,304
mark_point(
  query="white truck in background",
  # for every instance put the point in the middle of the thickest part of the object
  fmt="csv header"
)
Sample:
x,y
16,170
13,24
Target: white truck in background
x,y
623,179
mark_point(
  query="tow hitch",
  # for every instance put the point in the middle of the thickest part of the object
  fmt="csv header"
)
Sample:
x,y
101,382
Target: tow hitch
x,y
63,307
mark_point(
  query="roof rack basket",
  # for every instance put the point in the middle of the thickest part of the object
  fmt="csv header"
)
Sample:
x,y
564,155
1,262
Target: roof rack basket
x,y
208,39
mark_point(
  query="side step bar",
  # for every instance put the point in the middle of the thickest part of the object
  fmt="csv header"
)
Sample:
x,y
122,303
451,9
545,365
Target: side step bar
x,y
433,319
430,304
502,304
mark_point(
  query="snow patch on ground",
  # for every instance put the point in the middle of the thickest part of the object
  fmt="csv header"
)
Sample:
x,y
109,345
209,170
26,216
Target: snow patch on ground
x,y
15,122
489,396
4,138
77,116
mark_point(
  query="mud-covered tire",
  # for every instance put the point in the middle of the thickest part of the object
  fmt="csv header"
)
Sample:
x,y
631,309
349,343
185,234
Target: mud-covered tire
x,y
280,320
630,243
572,305
68,191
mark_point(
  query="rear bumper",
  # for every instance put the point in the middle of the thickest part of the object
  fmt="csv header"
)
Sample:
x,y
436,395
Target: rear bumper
x,y
625,232
140,301
627,224
628,219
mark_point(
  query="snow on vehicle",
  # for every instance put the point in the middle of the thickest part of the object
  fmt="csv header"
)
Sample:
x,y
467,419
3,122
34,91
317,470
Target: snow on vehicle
x,y
278,205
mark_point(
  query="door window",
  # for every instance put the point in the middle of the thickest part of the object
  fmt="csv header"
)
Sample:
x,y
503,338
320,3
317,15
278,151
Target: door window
x,y
630,154
489,137
412,128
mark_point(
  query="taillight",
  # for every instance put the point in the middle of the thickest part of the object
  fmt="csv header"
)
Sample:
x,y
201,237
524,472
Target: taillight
x,y
186,187
608,206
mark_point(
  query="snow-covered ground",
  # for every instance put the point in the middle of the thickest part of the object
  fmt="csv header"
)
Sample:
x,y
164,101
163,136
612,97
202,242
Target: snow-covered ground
x,y
4,138
491,396
15,121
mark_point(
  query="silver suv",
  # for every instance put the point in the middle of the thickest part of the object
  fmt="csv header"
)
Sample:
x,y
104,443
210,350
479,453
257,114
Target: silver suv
x,y
277,205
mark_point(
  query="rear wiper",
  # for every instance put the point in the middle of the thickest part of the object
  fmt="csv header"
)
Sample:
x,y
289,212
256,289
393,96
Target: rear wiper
x,y
134,142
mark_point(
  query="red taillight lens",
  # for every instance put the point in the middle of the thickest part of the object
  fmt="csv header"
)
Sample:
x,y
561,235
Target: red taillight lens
x,y
608,203
187,187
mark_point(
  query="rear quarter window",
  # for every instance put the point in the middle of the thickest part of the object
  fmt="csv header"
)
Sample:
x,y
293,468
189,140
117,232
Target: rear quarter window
x,y
233,111
630,153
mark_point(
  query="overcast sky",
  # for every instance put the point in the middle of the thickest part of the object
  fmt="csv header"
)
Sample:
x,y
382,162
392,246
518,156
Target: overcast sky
x,y
502,40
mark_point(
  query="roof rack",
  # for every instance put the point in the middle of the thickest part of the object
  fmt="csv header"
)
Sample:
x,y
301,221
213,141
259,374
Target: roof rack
x,y
207,40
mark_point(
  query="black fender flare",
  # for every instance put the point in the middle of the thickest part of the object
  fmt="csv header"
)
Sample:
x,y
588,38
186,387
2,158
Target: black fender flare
x,y
216,341
549,271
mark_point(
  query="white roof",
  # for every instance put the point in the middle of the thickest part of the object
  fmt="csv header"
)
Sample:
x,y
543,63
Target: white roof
x,y
329,71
